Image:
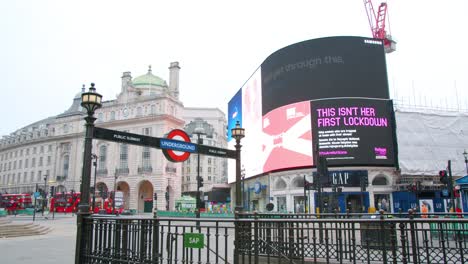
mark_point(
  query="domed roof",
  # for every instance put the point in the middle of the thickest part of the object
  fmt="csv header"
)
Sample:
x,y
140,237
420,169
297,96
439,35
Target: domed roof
x,y
78,95
149,79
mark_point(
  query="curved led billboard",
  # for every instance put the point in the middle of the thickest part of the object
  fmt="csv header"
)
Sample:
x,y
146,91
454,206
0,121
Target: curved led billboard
x,y
303,92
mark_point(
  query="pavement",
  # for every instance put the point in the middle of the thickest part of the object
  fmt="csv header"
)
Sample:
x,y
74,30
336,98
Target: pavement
x,y
58,246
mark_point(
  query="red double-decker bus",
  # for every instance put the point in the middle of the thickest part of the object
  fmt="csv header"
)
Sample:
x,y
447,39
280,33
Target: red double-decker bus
x,y
15,202
65,202
106,204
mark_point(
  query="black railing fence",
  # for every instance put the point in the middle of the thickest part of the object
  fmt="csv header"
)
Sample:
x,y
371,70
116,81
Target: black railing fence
x,y
276,238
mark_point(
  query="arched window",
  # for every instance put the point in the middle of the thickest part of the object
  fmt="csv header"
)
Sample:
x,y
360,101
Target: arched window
x,y
153,109
280,185
380,180
112,115
298,182
66,165
102,157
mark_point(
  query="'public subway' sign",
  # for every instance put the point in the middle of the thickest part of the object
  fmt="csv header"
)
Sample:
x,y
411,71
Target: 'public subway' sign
x,y
176,146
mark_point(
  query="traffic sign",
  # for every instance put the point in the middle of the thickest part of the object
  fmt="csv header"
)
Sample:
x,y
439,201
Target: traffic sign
x,y
445,192
194,240
177,147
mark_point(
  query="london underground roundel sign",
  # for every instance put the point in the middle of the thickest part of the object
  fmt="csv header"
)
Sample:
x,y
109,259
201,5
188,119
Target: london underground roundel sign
x,y
177,146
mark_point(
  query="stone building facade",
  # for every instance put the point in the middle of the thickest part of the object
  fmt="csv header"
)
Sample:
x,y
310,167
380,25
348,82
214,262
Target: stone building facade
x,y
50,152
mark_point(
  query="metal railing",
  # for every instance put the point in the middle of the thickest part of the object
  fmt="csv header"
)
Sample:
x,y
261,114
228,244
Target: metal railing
x,y
268,239
101,172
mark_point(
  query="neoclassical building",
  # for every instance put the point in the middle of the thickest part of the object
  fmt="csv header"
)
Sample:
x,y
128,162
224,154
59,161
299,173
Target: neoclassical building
x,y
50,152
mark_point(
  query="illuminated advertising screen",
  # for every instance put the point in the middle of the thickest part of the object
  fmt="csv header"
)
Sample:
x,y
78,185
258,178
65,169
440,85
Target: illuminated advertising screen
x,y
279,106
354,131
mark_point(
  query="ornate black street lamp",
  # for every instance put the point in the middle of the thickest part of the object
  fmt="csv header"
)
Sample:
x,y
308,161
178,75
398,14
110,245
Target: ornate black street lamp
x,y
198,131
238,133
91,101
243,185
95,157
465,154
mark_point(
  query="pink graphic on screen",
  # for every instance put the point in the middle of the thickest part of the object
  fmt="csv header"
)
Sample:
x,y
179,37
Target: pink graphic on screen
x,y
287,137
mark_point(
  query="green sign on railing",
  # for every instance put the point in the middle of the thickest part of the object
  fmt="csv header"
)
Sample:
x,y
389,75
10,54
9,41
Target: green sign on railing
x,y
194,240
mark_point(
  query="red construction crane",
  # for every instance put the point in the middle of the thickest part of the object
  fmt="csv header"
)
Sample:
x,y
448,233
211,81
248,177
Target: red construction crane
x,y
377,24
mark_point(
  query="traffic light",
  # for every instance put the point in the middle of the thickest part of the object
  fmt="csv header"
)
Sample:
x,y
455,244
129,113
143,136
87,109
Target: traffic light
x,y
323,167
52,190
364,183
200,181
308,185
155,196
443,176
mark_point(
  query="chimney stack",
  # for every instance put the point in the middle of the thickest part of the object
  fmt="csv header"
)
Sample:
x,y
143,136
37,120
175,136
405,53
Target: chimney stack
x,y
126,81
174,79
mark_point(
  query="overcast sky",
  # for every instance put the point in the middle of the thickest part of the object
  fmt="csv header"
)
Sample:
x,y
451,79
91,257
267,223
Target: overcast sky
x,y
50,48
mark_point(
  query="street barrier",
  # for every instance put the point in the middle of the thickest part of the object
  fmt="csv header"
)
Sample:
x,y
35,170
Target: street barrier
x,y
275,238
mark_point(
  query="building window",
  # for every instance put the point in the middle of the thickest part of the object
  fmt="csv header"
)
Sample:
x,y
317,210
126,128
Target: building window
x,y
20,165
14,165
153,109
146,156
40,161
102,157
33,162
21,154
39,176
41,149
26,161
188,178
34,150
16,154
139,111
49,160
25,176
65,128
32,176
66,165
209,161
123,156
209,169
49,148
188,170
209,178
27,152
112,115
100,117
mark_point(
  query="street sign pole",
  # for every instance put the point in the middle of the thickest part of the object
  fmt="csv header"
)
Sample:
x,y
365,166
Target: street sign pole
x,y
35,200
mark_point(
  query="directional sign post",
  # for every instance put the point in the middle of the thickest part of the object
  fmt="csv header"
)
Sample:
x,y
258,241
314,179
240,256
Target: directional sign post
x,y
176,147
